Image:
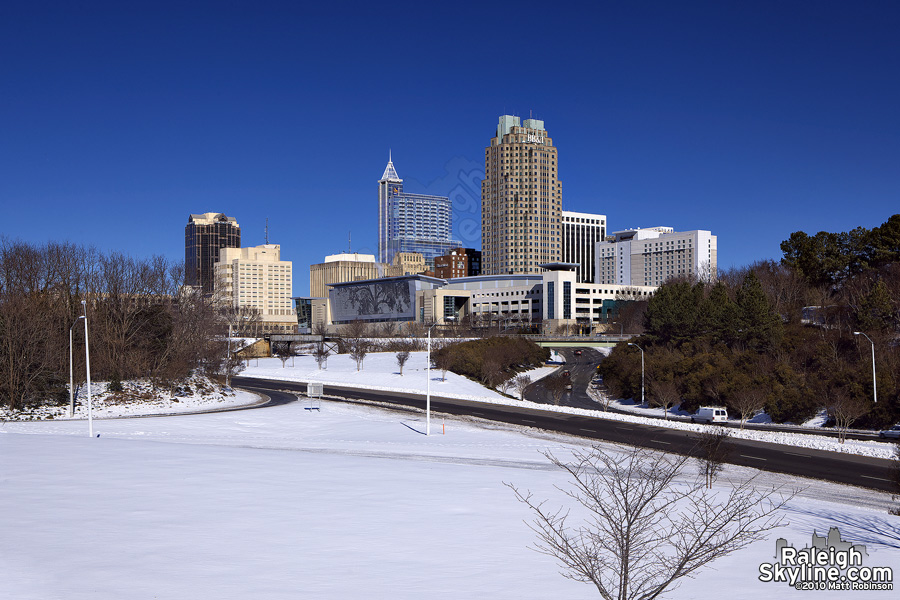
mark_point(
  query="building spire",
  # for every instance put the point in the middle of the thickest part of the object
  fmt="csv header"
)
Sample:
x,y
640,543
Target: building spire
x,y
390,173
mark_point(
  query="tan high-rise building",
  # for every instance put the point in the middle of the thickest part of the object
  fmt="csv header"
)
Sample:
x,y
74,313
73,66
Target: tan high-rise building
x,y
521,200
257,278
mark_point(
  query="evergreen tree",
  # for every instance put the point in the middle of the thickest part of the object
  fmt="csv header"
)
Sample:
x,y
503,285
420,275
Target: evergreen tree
x,y
875,311
719,315
673,313
760,325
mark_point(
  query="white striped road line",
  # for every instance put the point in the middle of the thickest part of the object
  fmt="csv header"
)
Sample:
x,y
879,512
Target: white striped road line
x,y
878,478
795,454
753,457
662,442
527,421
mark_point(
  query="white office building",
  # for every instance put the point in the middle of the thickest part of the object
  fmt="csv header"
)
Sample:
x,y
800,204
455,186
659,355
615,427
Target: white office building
x,y
651,256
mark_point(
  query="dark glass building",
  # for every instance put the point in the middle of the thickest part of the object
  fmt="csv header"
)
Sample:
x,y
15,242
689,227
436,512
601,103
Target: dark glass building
x,y
204,236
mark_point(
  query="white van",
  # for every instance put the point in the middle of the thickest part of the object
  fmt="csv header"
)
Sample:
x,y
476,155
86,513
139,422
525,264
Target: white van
x,y
710,414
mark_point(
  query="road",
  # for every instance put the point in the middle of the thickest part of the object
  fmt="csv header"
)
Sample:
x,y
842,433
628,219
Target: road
x,y
872,473
584,367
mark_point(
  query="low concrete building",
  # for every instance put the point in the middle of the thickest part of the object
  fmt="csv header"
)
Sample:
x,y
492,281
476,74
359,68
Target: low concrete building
x,y
541,303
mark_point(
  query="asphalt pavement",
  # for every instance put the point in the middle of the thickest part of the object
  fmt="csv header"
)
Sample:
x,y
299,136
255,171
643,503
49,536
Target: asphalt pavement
x,y
862,471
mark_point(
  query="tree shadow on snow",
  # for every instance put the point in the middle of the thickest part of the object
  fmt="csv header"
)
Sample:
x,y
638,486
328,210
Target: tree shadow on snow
x,y
871,530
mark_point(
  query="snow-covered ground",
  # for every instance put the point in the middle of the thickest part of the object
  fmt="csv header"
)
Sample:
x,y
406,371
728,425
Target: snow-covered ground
x,y
344,502
380,372
140,398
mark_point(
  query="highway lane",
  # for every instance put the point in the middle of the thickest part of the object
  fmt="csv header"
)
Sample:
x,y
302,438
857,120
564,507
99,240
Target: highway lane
x,y
584,367
848,469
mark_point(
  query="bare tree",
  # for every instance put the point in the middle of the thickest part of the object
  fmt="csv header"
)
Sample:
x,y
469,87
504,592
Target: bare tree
x,y
665,395
521,383
643,531
747,402
284,353
402,357
320,353
557,386
506,385
359,348
492,371
442,361
712,450
844,409
896,478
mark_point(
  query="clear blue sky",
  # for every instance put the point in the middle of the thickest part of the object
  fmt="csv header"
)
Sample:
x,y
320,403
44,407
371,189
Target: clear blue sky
x,y
751,119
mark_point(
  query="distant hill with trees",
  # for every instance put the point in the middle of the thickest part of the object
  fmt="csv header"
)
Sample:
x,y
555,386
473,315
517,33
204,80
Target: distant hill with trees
x,y
780,336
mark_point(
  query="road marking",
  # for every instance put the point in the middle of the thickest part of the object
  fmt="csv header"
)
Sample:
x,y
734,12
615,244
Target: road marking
x,y
753,457
878,478
527,421
589,430
624,428
795,454
662,442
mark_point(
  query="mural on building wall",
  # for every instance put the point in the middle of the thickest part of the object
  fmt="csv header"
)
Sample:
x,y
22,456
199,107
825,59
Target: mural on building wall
x,y
379,300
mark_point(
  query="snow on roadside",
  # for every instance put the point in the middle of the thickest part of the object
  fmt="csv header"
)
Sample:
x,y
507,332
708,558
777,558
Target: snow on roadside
x,y
138,398
380,372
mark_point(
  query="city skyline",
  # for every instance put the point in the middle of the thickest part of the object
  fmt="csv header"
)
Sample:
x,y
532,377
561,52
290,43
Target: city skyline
x,y
748,121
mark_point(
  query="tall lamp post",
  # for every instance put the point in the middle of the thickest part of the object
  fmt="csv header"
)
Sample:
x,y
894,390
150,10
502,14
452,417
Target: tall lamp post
x,y
642,369
87,368
71,378
874,383
428,382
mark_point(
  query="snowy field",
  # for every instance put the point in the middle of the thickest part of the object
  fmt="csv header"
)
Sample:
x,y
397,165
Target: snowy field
x,y
343,502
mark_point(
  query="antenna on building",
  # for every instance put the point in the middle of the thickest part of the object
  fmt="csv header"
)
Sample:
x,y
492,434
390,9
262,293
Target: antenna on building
x,y
349,243
267,231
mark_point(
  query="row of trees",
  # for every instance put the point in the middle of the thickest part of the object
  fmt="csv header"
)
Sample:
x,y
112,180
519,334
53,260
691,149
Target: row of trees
x,y
777,337
141,321
492,361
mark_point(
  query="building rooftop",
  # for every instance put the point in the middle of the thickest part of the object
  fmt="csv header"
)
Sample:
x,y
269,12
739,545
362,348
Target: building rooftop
x,y
354,257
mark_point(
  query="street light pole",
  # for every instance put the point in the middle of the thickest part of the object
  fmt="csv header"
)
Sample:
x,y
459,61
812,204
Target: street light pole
x,y
642,370
428,382
228,360
87,368
874,381
71,378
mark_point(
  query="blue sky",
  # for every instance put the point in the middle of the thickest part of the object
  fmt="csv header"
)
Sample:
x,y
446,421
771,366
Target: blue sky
x,y
752,119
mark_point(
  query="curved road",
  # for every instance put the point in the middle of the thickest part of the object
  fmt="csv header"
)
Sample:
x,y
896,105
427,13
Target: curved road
x,y
584,367
873,473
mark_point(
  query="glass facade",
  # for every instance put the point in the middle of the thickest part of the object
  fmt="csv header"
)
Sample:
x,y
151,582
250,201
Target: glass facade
x,y
551,301
411,222
567,299
204,236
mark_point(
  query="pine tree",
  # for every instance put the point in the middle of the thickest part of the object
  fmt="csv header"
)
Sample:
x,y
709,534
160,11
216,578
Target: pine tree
x,y
760,325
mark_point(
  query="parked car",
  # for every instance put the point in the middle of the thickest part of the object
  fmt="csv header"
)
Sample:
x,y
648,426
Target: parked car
x,y
710,414
566,373
893,432
578,353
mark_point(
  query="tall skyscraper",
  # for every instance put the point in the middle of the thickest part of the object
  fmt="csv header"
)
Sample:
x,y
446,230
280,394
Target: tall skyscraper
x,y
521,200
581,232
411,222
204,236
